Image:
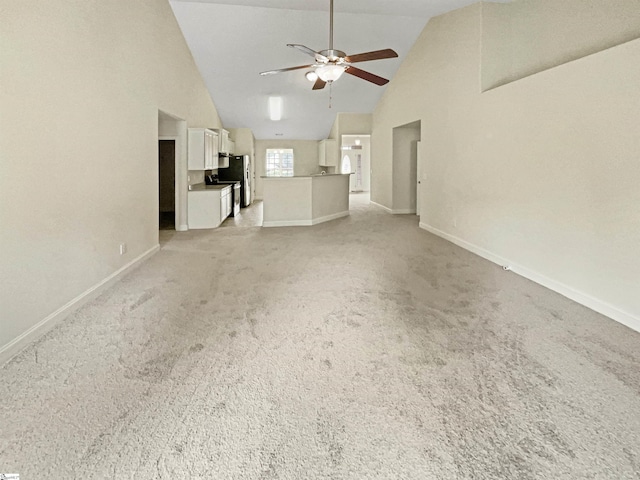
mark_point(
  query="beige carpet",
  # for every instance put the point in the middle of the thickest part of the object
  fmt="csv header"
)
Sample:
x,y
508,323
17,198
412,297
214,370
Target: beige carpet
x,y
358,349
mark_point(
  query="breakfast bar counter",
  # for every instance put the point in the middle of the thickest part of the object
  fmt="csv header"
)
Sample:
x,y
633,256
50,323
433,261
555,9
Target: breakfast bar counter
x,y
304,200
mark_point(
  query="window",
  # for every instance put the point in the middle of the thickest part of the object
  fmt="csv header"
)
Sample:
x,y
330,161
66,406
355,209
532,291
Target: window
x,y
279,162
346,164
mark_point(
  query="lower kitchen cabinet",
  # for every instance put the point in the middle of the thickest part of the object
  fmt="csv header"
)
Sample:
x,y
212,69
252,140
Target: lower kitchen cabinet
x,y
208,207
226,203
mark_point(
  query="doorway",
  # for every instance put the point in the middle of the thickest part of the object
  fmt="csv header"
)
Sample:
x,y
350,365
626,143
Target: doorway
x,y
406,139
167,184
355,153
173,174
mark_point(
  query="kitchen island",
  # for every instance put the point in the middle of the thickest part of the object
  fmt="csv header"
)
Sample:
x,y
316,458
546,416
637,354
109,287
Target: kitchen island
x,y
304,200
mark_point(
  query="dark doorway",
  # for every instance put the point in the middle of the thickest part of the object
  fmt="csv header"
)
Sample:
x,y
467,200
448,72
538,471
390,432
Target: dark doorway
x,y
167,184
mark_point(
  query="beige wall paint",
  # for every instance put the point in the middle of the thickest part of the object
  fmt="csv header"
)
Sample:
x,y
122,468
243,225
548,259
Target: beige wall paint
x,y
525,37
82,84
305,158
540,173
405,161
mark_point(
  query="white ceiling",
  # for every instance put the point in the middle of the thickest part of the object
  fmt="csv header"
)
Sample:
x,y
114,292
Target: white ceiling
x,y
233,40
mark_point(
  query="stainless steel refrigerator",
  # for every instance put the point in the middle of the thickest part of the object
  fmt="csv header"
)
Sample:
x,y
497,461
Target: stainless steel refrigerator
x,y
239,170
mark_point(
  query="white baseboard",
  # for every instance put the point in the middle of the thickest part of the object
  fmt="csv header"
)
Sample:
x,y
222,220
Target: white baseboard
x,y
287,223
14,347
401,211
304,223
328,218
182,228
588,301
387,209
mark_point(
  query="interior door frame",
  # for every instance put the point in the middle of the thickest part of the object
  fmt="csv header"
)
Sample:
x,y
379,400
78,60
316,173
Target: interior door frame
x,y
418,176
176,166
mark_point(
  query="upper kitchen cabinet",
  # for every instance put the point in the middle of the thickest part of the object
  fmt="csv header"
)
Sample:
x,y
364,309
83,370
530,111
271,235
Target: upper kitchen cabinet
x,y
202,150
223,141
328,153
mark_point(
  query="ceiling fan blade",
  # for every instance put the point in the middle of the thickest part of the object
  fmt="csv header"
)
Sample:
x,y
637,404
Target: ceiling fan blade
x,y
319,57
370,77
375,55
319,85
280,70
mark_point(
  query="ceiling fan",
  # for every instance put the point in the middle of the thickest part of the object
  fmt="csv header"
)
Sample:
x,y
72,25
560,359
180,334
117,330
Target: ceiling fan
x,y
331,64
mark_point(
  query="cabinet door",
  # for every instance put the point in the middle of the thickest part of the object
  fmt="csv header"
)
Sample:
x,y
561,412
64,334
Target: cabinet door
x,y
331,153
321,153
224,141
207,150
214,150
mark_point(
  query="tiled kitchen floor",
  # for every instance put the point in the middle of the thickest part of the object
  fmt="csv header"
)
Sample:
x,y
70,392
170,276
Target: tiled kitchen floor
x,y
250,216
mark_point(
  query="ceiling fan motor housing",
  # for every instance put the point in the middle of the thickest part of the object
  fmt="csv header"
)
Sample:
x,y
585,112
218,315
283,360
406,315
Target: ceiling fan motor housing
x,y
333,55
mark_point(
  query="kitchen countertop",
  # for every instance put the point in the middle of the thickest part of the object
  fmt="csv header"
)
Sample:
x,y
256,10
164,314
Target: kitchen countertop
x,y
201,187
309,176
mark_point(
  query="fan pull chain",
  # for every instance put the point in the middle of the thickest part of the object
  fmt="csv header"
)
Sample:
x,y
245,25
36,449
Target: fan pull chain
x,y
330,94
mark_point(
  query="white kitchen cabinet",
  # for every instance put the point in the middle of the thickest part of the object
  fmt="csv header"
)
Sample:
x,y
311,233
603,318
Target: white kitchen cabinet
x,y
208,207
202,149
225,203
232,147
223,141
328,153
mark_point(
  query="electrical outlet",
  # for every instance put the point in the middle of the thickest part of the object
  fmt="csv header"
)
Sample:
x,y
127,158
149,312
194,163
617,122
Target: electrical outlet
x,y
123,248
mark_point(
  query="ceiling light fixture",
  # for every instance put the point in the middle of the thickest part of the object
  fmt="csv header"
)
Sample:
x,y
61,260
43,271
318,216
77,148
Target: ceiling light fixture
x,y
331,72
311,76
275,108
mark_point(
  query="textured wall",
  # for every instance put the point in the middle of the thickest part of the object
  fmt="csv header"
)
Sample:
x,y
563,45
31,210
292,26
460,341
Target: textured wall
x,y
525,37
540,173
82,83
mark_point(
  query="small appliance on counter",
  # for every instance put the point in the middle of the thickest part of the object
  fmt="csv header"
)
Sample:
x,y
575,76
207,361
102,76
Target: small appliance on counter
x,y
211,179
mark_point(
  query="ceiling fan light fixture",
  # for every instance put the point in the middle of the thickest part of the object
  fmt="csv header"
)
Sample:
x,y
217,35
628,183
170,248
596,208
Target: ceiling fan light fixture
x,y
311,76
330,73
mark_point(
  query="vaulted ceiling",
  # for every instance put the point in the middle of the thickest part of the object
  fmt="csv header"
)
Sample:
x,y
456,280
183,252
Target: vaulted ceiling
x,y
233,40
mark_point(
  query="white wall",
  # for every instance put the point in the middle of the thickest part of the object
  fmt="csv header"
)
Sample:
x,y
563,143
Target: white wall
x,y
541,173
305,158
82,84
